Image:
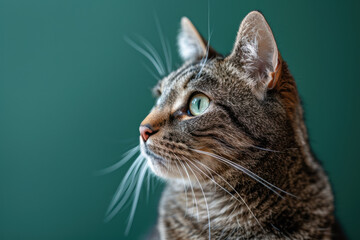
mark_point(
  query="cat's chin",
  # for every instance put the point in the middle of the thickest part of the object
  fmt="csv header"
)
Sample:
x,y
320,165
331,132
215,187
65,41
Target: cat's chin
x,y
156,163
159,169
156,168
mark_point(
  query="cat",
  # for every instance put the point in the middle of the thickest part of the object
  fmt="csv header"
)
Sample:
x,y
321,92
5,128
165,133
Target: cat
x,y
228,135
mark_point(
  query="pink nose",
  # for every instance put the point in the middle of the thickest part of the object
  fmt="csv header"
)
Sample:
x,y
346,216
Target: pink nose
x,y
145,132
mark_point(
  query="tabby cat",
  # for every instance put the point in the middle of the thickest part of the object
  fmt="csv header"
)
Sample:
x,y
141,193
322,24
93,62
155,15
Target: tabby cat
x,y
228,135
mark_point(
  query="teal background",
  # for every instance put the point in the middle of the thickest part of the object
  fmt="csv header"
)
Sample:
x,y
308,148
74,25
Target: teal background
x,y
72,94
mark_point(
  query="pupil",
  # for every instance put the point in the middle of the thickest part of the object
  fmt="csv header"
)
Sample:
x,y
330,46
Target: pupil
x,y
198,105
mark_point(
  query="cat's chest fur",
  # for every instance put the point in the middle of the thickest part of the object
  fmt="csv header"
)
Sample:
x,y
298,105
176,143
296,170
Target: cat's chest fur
x,y
184,215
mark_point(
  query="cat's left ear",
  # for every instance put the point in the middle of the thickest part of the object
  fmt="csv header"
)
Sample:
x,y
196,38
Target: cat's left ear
x,y
256,52
192,46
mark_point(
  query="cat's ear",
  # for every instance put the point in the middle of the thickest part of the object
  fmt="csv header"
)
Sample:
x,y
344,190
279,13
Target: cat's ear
x,y
256,52
192,46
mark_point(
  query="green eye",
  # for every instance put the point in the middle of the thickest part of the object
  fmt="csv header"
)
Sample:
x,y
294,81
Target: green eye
x,y
198,104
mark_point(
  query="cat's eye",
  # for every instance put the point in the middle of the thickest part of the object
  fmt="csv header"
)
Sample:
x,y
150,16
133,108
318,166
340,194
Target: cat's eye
x,y
198,104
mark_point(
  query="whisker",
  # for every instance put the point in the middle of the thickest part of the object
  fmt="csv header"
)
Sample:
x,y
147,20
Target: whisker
x,y
126,157
125,186
204,60
169,53
112,213
146,54
264,149
163,44
185,188
192,189
136,199
152,73
153,51
243,201
247,172
148,185
202,190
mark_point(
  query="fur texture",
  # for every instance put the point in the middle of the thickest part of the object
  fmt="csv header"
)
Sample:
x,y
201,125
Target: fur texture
x,y
244,168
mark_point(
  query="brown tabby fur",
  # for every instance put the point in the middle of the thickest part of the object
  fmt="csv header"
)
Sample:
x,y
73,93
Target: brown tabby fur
x,y
263,132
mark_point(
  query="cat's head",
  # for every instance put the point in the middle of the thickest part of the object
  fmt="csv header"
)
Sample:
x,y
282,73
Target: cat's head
x,y
217,110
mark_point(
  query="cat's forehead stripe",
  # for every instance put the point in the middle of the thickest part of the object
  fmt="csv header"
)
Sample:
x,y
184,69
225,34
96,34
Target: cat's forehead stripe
x,y
177,82
199,72
173,87
180,72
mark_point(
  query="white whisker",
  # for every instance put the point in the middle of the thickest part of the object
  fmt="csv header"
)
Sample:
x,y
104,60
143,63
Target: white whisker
x,y
202,190
243,201
126,186
136,198
141,50
192,189
264,149
148,182
128,191
169,53
163,44
152,73
154,53
126,157
204,59
185,188
247,172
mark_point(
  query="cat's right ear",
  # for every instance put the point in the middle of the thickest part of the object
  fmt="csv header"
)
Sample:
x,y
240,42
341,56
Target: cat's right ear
x,y
192,46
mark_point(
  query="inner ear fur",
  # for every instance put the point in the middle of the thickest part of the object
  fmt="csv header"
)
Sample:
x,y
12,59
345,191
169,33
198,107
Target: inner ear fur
x,y
256,52
192,46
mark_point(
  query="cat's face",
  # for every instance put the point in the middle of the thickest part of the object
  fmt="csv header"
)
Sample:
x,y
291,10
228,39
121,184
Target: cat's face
x,y
216,109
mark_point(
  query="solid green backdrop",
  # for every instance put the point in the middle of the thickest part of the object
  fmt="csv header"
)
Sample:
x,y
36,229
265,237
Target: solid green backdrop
x,y
73,92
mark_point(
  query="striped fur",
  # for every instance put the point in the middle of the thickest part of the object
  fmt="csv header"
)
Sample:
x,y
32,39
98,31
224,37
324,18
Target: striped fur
x,y
266,136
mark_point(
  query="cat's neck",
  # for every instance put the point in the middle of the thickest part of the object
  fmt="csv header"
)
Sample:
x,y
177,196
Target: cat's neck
x,y
227,212
248,206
